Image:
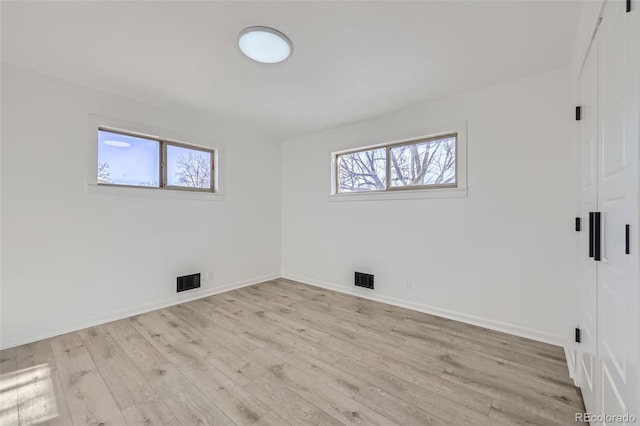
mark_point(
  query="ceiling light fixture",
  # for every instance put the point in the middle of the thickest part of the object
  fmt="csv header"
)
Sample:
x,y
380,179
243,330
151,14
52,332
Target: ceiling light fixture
x,y
119,144
264,44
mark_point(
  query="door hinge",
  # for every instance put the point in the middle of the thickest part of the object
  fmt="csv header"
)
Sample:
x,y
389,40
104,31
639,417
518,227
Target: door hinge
x,y
628,6
578,224
578,335
578,113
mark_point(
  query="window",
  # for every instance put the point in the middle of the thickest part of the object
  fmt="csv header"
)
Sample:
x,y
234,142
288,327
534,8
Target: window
x,y
128,159
187,167
418,164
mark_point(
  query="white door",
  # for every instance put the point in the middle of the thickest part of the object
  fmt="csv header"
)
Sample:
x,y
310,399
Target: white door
x,y
618,138
586,354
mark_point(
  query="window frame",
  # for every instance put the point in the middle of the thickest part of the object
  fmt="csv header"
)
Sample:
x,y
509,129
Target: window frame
x,y
162,156
388,146
163,161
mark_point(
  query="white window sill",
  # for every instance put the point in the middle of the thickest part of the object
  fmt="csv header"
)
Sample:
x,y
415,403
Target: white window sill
x,y
400,195
167,194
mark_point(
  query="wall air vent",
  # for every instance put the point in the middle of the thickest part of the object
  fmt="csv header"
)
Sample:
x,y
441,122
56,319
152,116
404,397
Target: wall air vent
x,y
188,282
364,280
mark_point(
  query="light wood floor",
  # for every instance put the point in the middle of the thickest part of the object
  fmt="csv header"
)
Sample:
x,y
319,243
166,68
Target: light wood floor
x,y
281,353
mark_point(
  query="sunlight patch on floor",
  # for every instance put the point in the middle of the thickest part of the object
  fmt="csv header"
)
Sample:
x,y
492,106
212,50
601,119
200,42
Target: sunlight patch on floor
x,y
27,397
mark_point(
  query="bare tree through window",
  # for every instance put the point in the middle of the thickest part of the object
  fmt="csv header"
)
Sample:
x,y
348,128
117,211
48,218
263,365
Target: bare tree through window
x,y
194,169
104,172
363,171
427,163
422,163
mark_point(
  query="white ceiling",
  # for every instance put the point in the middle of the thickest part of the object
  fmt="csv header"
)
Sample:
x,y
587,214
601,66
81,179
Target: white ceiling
x,y
351,60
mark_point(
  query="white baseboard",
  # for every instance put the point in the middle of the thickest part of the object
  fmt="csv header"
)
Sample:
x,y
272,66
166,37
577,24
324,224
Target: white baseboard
x,y
433,310
569,354
17,340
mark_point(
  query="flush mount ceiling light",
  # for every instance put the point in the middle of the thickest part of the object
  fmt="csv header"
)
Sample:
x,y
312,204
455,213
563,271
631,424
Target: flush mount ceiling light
x,y
264,44
119,144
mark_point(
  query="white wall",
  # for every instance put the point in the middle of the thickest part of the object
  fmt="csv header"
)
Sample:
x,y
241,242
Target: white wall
x,y
72,259
503,257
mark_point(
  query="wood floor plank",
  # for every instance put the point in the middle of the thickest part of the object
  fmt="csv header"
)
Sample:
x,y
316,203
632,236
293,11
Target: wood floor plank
x,y
280,317
344,410
428,380
400,318
242,407
346,384
510,413
284,353
45,399
389,312
289,405
211,323
199,350
197,360
142,353
536,381
322,350
428,399
126,383
401,412
507,396
271,419
187,403
221,313
88,397
9,387
312,314
418,341
149,413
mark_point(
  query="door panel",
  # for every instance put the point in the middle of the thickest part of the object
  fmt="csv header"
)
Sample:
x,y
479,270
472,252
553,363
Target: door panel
x,y
614,159
614,402
586,354
617,274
